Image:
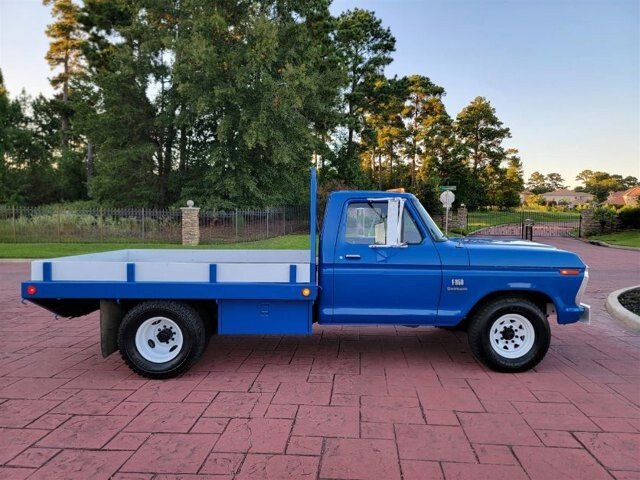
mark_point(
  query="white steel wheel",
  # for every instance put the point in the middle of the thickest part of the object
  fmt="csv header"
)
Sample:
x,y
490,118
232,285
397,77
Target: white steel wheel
x,y
512,336
159,339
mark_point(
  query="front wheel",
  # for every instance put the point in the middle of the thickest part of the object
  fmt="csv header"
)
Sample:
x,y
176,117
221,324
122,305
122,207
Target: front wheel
x,y
161,339
509,335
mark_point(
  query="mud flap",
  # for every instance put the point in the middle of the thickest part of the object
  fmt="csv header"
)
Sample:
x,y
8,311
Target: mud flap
x,y
111,315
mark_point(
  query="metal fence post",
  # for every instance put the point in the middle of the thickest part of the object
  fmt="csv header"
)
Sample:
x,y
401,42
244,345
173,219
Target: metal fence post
x,y
235,224
100,224
13,222
143,232
59,225
580,226
267,222
284,220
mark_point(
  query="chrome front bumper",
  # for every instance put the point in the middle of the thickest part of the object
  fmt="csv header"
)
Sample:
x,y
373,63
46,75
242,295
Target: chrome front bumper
x,y
586,315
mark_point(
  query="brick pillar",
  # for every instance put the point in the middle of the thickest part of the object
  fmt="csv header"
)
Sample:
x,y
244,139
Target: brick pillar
x,y
461,217
589,224
190,224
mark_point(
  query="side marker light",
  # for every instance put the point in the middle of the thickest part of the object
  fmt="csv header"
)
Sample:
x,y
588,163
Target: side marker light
x,y
569,271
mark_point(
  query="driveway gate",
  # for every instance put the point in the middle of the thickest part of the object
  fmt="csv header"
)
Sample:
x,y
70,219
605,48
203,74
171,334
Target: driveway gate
x,y
512,222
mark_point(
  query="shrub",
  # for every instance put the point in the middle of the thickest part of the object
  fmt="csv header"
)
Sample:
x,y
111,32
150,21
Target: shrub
x,y
629,216
606,216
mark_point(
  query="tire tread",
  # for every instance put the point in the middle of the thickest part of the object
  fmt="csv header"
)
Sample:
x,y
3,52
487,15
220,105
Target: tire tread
x,y
477,331
184,312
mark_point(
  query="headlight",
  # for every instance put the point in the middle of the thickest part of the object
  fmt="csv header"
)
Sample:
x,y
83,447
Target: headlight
x,y
583,286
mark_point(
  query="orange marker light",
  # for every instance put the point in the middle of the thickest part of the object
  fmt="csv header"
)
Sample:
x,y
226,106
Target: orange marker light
x,y
306,292
31,290
569,271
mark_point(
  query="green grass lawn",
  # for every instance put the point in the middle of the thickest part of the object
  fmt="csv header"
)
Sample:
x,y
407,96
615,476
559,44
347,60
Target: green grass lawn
x,y
51,250
628,238
484,219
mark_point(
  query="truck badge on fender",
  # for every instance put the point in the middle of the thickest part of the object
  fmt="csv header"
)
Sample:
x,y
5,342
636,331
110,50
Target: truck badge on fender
x,y
457,285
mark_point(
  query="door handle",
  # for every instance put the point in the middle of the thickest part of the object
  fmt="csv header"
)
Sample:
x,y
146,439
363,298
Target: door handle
x,y
352,256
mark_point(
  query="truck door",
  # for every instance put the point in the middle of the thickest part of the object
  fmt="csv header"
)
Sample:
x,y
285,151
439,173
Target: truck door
x,y
384,285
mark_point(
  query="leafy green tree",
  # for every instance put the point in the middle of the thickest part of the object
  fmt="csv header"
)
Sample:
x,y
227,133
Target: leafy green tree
x,y
554,181
365,48
601,184
585,176
443,161
535,200
7,119
629,182
537,183
513,182
64,53
5,126
420,94
386,128
117,115
29,174
229,103
480,134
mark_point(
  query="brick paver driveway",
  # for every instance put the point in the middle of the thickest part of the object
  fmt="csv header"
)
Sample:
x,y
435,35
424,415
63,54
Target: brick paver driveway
x,y
352,403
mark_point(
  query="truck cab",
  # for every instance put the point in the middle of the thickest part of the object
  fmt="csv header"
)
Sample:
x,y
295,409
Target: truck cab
x,y
381,260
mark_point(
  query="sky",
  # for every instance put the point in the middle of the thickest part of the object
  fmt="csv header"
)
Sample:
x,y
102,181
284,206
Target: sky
x,y
563,75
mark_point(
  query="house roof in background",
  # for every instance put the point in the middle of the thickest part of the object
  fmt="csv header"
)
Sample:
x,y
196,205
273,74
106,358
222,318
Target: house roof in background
x,y
632,192
564,192
619,197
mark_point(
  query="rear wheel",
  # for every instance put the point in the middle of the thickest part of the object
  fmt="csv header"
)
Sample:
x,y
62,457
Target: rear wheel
x,y
509,335
161,339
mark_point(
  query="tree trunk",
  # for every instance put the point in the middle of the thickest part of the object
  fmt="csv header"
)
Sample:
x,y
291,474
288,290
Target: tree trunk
x,y
182,166
89,163
414,162
64,118
165,168
354,85
373,164
391,179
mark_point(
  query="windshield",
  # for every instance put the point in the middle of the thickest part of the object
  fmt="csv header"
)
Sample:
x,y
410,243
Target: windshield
x,y
437,235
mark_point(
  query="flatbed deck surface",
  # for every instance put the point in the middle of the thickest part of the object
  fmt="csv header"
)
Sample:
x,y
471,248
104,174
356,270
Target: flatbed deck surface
x,y
237,266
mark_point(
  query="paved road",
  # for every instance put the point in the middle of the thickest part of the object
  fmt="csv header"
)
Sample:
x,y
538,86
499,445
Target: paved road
x,y
353,403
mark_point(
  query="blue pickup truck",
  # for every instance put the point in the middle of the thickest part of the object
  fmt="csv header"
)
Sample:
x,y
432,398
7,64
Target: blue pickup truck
x,y
381,260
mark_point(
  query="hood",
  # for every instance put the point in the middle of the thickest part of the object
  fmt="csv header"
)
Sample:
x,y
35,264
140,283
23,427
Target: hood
x,y
498,252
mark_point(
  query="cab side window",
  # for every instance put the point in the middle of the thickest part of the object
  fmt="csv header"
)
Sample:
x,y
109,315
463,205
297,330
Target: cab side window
x,y
362,218
410,231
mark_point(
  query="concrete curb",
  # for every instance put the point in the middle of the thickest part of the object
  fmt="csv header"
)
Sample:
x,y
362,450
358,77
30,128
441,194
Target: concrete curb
x,y
17,260
617,311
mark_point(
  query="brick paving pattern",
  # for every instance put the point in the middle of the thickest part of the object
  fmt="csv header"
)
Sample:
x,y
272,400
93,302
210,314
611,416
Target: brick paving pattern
x,y
345,403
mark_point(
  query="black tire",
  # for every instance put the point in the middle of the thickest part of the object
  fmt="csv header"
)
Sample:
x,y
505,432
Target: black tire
x,y
479,334
193,332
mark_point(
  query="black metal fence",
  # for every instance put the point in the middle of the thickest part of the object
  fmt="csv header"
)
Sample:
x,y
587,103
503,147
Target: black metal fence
x,y
511,223
58,224
251,224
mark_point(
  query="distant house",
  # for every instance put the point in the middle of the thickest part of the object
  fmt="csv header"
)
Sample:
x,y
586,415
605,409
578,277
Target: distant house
x,y
624,197
524,196
568,197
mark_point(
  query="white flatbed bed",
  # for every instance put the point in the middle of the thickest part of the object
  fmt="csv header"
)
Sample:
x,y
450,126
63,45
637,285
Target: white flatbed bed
x,y
232,266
